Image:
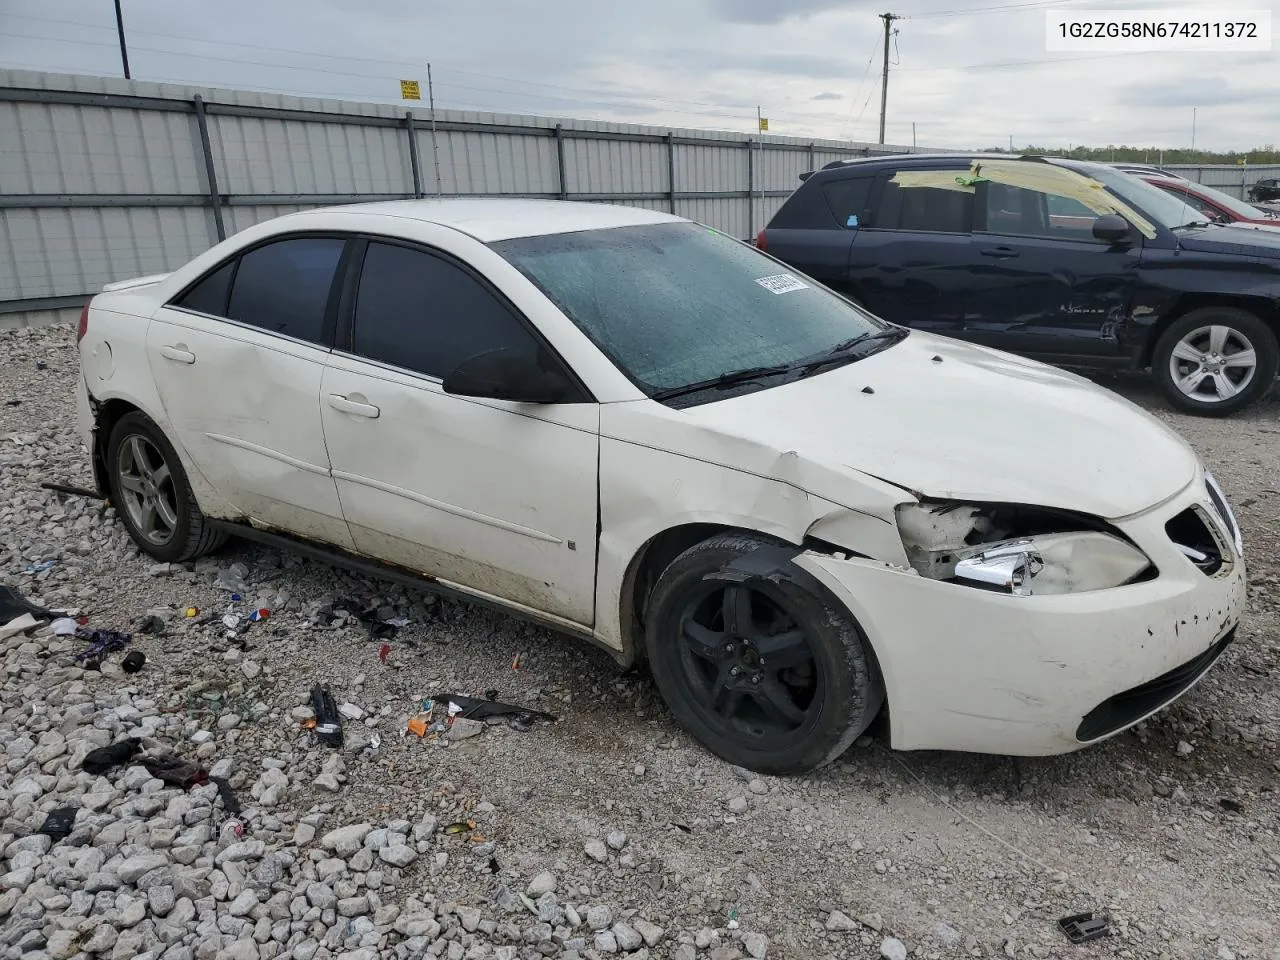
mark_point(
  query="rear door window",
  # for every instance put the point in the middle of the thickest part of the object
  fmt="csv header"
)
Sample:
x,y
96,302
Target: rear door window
x,y
283,287
210,294
933,209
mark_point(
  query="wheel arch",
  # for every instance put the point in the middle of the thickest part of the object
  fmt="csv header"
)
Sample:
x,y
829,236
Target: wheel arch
x,y
1266,310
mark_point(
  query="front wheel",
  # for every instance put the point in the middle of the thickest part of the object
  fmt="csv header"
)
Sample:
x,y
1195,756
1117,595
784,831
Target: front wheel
x,y
1215,361
763,668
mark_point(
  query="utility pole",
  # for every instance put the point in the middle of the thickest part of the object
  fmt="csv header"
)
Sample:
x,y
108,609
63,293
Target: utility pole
x,y
888,19
1193,133
124,53
913,136
435,145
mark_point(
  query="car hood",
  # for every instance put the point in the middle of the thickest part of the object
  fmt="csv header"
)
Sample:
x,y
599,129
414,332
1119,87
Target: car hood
x,y
948,420
1238,239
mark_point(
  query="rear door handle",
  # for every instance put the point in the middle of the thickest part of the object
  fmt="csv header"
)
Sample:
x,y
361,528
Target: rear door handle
x,y
1000,253
357,408
179,353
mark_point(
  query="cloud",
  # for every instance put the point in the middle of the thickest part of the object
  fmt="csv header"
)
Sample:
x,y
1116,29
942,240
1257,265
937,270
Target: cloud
x,y
771,11
827,96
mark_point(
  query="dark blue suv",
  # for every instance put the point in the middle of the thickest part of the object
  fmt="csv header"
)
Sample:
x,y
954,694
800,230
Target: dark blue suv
x,y
1072,263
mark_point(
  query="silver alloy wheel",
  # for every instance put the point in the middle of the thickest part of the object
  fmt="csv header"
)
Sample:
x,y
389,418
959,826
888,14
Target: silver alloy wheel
x,y
1213,363
146,486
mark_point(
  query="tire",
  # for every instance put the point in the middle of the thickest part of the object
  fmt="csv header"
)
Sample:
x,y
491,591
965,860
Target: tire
x,y
829,678
143,469
1206,341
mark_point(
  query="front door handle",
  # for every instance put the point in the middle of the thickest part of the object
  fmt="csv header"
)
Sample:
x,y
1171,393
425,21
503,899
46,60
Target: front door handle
x,y
355,407
180,353
1000,253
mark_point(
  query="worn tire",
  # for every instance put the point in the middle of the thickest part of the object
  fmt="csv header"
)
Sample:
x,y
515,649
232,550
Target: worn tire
x,y
848,680
193,536
1261,336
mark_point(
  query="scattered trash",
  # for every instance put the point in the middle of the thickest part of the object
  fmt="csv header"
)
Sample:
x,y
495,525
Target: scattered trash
x,y
337,612
153,625
59,823
328,728
1230,805
231,621
102,642
1085,926
375,741
236,598
13,403
462,826
64,627
472,709
191,612
74,491
515,662
41,567
133,662
232,829
417,726
384,651
41,365
175,770
13,604
102,759
732,923
262,613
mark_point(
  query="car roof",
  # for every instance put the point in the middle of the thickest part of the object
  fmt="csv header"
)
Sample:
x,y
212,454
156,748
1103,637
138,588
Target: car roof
x,y
489,219
900,158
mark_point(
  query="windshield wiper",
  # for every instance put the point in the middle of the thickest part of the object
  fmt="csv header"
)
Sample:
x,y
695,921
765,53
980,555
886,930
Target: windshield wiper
x,y
846,349
730,379
1192,225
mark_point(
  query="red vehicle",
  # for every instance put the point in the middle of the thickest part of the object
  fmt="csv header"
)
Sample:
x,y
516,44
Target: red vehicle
x,y
1214,204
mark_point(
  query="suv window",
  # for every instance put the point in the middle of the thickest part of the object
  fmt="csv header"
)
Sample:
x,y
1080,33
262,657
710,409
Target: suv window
x,y
848,199
935,209
424,313
1020,212
284,286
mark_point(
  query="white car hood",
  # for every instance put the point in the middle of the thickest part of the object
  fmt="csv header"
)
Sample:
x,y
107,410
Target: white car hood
x,y
950,420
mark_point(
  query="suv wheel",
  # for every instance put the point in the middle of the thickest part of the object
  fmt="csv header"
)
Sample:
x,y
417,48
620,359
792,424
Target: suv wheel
x,y
767,671
1216,360
151,492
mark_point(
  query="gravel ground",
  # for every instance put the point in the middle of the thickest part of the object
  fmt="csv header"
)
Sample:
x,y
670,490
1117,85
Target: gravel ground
x,y
607,833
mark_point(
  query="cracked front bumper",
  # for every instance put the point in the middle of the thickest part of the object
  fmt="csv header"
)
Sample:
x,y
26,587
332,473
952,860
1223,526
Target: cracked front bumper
x,y
967,669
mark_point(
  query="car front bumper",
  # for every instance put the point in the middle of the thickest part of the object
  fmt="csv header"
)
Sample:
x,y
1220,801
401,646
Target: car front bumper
x,y
968,669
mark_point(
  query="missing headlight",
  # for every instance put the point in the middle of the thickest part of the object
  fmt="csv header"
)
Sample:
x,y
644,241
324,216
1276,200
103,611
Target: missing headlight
x,y
1018,550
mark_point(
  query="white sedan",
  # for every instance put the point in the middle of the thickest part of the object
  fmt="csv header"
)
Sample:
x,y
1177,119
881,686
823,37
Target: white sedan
x,y
636,429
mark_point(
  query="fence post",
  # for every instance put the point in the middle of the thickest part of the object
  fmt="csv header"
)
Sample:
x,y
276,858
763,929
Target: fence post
x,y
751,188
413,154
564,185
671,169
215,201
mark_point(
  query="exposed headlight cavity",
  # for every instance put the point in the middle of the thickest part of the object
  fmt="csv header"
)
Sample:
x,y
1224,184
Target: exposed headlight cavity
x,y
1023,551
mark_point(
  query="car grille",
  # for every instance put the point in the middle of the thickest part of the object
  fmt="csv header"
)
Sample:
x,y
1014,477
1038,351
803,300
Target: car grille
x,y
1192,533
1132,705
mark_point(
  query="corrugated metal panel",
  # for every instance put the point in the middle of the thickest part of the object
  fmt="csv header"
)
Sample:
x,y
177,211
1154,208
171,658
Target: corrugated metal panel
x,y
241,218
708,169
488,163
58,252
729,216
613,166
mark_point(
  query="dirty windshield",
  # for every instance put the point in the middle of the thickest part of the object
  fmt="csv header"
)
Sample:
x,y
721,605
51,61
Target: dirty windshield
x,y
1169,211
677,305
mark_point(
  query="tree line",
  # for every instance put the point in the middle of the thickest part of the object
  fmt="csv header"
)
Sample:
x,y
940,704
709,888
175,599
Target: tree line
x,y
1153,155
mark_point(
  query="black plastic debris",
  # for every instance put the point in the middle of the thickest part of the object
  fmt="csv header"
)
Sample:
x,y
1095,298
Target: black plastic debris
x,y
328,727
13,605
59,823
520,719
1083,927
74,491
42,365
105,758
133,662
174,770
152,625
1231,805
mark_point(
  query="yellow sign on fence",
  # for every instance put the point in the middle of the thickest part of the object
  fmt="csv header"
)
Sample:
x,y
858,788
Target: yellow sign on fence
x,y
409,90
764,123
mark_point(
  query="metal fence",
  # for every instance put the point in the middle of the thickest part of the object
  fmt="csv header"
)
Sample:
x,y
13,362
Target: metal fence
x,y
1233,179
102,179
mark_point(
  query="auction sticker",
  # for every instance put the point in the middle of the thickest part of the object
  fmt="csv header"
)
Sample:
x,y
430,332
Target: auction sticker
x,y
782,283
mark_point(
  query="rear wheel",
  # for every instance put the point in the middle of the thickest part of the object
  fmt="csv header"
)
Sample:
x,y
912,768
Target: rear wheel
x,y
1216,360
151,492
767,671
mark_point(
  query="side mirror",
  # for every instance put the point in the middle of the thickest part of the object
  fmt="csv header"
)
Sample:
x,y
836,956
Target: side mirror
x,y
506,374
1111,227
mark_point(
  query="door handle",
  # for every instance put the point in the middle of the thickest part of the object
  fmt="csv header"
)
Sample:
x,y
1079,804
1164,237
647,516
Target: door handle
x,y
357,408
179,353
1000,253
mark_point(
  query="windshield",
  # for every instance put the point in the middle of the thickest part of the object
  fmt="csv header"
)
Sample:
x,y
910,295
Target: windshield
x,y
1165,209
676,304
1241,209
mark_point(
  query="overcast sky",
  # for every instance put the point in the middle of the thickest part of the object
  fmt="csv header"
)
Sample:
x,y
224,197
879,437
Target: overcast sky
x,y
966,74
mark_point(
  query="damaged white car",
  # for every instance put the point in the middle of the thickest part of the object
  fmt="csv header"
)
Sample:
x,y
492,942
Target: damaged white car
x,y
638,430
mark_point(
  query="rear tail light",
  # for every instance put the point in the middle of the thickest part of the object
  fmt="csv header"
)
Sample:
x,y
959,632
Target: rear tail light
x,y
83,326
761,243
